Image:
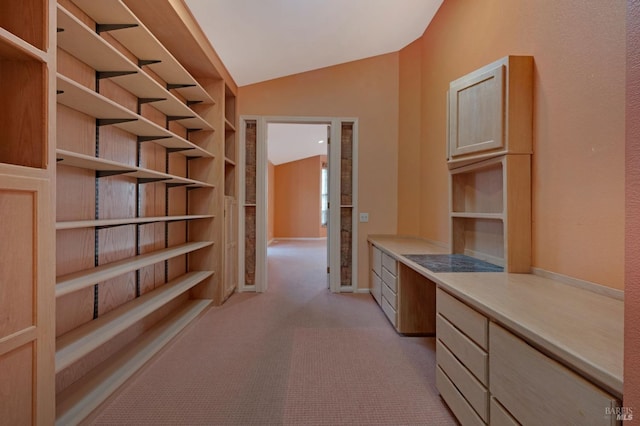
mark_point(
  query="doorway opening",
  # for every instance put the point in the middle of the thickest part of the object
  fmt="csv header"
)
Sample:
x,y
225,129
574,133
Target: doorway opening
x,y
292,204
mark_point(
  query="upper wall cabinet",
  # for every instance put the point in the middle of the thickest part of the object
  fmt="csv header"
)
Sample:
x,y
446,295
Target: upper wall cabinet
x,y
490,111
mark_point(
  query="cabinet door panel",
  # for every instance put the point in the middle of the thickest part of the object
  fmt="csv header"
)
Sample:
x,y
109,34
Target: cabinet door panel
x,y
376,287
473,391
538,390
477,112
470,322
469,354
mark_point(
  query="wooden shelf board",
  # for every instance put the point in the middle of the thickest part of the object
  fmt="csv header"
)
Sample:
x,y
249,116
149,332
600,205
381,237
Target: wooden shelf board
x,y
77,224
473,215
69,158
80,98
142,43
78,280
229,161
126,221
228,125
77,343
80,399
12,46
83,43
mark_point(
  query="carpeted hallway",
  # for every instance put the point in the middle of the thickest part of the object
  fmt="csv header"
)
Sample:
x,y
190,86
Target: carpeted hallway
x,y
295,355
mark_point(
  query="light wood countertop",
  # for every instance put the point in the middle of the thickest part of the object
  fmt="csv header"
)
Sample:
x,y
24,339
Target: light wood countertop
x,y
579,328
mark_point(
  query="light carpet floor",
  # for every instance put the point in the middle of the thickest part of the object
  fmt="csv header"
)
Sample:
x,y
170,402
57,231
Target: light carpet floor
x,y
295,355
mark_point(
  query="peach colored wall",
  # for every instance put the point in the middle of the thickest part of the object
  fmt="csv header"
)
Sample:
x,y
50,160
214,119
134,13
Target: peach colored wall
x,y
578,162
632,263
271,201
297,199
367,90
409,181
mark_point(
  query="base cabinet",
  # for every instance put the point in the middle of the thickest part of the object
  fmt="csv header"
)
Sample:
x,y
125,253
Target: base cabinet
x,y
538,390
462,358
488,375
406,297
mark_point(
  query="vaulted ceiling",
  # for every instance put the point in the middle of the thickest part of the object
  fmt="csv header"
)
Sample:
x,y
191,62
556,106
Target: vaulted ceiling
x,y
260,40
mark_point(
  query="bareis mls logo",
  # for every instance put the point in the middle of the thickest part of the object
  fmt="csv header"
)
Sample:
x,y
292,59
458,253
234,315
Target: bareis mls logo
x,y
621,413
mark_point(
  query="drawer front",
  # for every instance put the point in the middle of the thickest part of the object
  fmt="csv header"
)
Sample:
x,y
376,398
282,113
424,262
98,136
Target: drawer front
x,y
456,402
500,416
389,312
376,287
389,279
470,355
531,385
389,263
473,391
376,261
470,322
390,295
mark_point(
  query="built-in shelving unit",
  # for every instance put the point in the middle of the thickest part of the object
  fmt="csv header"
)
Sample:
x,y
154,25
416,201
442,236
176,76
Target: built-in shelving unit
x,y
27,235
489,155
137,228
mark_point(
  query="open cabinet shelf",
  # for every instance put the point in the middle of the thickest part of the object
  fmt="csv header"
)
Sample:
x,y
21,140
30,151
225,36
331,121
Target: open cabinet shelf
x,y
23,75
27,20
490,211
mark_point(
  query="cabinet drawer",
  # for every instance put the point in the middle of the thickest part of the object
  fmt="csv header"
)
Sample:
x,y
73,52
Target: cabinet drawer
x,y
376,260
470,355
473,391
470,322
531,386
376,286
389,311
500,416
389,263
389,279
456,402
390,295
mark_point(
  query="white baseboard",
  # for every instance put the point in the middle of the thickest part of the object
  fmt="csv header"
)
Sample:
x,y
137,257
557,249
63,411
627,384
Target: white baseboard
x,y
362,291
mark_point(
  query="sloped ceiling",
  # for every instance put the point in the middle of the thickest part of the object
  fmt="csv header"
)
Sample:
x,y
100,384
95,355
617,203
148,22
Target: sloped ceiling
x,y
260,40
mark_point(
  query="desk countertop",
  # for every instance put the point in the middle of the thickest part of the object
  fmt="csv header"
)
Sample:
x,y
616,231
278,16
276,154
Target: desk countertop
x,y
578,327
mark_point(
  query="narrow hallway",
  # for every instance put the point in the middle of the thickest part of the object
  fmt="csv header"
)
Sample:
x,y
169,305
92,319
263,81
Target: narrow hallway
x,y
296,354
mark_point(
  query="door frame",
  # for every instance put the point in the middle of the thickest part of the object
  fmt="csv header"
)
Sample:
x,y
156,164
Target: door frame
x,y
333,234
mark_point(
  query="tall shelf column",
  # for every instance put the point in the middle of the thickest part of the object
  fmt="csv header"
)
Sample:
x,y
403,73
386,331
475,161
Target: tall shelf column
x,y
27,175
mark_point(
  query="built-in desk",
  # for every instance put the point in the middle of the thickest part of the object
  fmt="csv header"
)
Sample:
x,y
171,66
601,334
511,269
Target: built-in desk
x,y
578,328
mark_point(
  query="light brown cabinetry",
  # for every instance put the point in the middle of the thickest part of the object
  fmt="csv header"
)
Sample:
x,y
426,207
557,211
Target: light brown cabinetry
x,y
27,236
462,359
490,111
141,238
538,390
486,374
490,118
406,297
